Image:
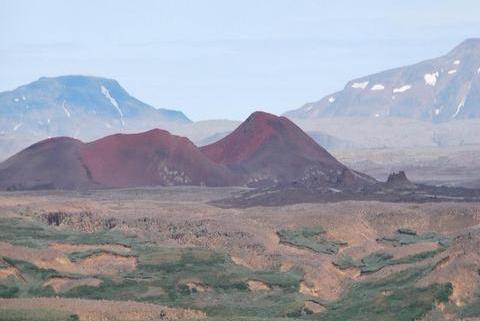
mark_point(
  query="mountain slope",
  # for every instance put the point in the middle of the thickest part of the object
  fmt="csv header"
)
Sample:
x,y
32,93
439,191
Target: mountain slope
x,y
124,160
266,149
50,164
83,107
68,98
437,90
152,158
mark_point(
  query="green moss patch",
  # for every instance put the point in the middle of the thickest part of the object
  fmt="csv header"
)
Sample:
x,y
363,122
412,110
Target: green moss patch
x,y
311,238
405,236
376,261
394,298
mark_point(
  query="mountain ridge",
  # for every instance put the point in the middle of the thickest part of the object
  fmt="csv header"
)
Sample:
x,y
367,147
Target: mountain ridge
x,y
84,107
269,150
435,90
94,94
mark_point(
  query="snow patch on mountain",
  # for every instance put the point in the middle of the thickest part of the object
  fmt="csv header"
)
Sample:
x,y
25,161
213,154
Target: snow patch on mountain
x,y
431,79
17,126
378,87
331,99
459,108
402,89
415,91
112,100
65,109
360,85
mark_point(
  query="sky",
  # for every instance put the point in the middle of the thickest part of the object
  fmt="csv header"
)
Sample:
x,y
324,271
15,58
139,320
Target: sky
x,y
226,59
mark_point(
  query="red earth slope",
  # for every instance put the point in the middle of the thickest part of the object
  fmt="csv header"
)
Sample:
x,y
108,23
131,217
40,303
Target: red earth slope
x,y
263,151
267,149
54,163
151,158
124,160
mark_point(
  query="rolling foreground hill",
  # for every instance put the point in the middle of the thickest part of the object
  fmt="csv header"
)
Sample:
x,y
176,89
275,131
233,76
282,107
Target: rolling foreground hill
x,y
437,90
264,150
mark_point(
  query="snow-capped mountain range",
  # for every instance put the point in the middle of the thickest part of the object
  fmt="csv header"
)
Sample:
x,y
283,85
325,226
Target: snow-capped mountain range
x,y
77,106
436,90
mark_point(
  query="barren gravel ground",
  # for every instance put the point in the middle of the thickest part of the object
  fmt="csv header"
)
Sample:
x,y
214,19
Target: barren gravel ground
x,y
446,165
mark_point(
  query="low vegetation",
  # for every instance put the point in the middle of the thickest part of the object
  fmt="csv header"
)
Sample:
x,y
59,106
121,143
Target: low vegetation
x,y
312,238
30,233
405,236
394,298
31,284
472,309
160,276
376,261
210,281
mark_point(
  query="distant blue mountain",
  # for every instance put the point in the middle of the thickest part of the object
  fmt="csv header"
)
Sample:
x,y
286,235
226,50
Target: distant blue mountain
x,y
66,97
77,106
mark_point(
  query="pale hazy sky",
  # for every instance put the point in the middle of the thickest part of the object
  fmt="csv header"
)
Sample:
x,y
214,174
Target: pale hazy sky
x,y
225,59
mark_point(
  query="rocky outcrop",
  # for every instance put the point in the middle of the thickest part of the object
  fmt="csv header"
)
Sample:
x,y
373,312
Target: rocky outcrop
x,y
399,180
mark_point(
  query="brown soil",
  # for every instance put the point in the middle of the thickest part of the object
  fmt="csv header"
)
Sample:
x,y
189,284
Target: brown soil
x,y
308,289
254,285
10,271
63,284
239,261
70,248
103,263
107,263
286,266
196,286
461,269
89,310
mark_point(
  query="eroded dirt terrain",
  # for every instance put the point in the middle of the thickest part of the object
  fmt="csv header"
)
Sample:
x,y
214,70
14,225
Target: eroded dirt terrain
x,y
172,247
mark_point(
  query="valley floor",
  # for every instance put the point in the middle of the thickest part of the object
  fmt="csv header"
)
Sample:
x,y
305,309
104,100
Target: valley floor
x,y
167,253
448,165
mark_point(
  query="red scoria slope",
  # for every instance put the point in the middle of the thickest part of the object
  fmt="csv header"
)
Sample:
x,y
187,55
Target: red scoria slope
x,y
263,151
54,163
152,158
267,149
124,160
